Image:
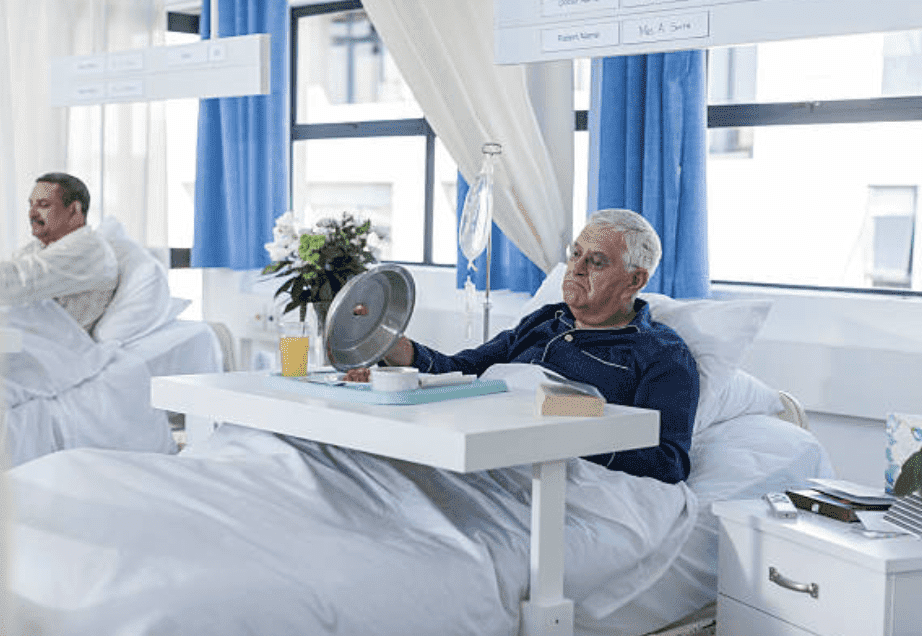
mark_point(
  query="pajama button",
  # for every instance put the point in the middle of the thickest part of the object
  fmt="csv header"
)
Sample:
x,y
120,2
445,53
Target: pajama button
x,y
568,338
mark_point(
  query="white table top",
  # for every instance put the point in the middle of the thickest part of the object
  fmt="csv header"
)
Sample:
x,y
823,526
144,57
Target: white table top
x,y
10,340
463,435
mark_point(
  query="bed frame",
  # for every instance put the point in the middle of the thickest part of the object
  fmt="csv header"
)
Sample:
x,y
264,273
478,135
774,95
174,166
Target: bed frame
x,y
704,621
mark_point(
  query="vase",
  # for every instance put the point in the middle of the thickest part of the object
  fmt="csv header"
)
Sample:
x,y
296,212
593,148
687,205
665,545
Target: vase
x,y
319,355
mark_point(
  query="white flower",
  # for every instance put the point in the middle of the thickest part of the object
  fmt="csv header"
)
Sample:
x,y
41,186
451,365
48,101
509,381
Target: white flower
x,y
278,252
286,236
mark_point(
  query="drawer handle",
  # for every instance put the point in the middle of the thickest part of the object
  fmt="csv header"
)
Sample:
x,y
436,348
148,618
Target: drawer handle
x,y
779,579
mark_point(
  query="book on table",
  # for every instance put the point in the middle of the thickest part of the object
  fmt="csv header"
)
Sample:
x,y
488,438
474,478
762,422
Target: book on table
x,y
563,397
834,505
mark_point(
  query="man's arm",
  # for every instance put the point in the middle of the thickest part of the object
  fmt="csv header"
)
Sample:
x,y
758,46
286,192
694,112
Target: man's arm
x,y
76,263
406,353
670,387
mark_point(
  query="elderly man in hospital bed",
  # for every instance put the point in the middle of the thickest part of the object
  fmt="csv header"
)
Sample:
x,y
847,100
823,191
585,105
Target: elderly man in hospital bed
x,y
601,335
66,260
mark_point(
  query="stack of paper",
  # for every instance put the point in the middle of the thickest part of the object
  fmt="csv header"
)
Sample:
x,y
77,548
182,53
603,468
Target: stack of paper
x,y
860,496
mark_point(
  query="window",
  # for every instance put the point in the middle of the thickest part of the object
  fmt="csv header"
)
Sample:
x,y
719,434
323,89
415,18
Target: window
x,y
359,140
813,162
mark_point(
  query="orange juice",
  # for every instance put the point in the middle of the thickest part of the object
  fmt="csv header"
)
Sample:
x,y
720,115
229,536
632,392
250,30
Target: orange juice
x,y
294,355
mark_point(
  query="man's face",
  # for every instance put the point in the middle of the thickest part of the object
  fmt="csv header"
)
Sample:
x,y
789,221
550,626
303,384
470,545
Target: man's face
x,y
597,287
49,217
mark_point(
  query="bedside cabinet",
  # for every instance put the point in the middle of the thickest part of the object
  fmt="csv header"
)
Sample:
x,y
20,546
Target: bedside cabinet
x,y
813,576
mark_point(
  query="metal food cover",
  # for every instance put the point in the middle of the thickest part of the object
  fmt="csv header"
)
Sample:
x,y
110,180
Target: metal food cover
x,y
360,340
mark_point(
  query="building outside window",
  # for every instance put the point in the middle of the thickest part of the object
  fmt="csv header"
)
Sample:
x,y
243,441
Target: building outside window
x,y
834,129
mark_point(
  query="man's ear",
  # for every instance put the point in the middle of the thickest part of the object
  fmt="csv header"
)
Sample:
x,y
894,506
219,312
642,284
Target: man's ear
x,y
639,278
77,217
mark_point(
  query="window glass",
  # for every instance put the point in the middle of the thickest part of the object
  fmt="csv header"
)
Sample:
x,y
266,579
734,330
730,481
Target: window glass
x,y
582,81
826,205
344,72
381,178
444,208
861,66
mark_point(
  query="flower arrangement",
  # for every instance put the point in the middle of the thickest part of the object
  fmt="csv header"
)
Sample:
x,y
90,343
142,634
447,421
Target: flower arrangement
x,y
317,262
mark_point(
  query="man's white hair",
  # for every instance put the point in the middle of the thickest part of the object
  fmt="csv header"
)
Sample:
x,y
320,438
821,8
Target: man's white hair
x,y
644,249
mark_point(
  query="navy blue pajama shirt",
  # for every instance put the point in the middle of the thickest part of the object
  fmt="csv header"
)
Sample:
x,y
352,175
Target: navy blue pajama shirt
x,y
644,364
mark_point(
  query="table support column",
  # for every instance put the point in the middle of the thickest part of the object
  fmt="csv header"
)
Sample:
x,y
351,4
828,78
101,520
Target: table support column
x,y
547,612
198,428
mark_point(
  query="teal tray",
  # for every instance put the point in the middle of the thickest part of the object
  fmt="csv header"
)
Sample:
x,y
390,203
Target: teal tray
x,y
363,393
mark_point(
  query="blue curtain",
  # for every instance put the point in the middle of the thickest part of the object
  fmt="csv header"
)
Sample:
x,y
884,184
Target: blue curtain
x,y
509,267
241,182
647,153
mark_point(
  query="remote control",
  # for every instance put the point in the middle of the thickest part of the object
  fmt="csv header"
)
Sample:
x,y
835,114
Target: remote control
x,y
781,505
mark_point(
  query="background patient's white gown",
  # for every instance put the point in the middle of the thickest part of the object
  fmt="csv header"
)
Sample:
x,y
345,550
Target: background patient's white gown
x,y
79,270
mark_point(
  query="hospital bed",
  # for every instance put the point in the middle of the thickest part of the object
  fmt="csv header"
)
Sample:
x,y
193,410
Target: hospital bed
x,y
69,389
254,532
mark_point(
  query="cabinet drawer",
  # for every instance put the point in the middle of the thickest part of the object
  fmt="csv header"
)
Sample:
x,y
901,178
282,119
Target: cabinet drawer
x,y
850,600
735,619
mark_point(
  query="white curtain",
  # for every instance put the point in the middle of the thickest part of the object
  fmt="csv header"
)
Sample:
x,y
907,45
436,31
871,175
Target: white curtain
x,y
117,149
7,154
444,49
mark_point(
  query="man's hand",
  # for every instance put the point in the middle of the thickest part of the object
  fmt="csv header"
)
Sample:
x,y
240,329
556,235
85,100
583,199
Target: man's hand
x,y
361,374
400,355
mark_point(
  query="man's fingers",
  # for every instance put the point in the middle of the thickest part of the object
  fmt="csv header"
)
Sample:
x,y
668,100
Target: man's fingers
x,y
361,374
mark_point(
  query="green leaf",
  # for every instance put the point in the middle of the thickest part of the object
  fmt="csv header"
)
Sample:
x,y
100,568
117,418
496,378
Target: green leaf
x,y
285,287
910,479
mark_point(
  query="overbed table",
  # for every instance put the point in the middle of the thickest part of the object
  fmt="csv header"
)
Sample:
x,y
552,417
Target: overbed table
x,y
462,435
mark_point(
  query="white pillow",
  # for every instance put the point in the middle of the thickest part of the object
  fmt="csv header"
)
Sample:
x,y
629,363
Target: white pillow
x,y
718,334
745,395
141,302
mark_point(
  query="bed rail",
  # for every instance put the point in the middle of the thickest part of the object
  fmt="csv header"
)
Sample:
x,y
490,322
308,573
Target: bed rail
x,y
793,411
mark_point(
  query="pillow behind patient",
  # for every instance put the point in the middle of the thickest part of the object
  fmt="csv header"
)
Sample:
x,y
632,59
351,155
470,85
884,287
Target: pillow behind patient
x,y
718,334
141,302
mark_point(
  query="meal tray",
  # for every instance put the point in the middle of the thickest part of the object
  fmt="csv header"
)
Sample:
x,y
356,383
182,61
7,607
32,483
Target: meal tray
x,y
363,393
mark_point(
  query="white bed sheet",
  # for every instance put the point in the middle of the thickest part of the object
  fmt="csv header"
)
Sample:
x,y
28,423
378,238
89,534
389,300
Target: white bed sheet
x,y
180,347
252,533
65,390
255,533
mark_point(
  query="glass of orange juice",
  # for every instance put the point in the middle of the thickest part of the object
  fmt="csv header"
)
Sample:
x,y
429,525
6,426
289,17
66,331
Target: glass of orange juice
x,y
294,345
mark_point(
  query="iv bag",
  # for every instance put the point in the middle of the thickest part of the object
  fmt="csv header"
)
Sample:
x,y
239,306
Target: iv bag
x,y
476,218
477,214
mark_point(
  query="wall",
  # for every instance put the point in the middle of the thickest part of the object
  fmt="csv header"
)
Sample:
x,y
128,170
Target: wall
x,y
850,358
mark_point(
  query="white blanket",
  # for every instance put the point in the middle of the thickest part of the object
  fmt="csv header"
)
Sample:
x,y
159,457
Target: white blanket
x,y
64,390
253,533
